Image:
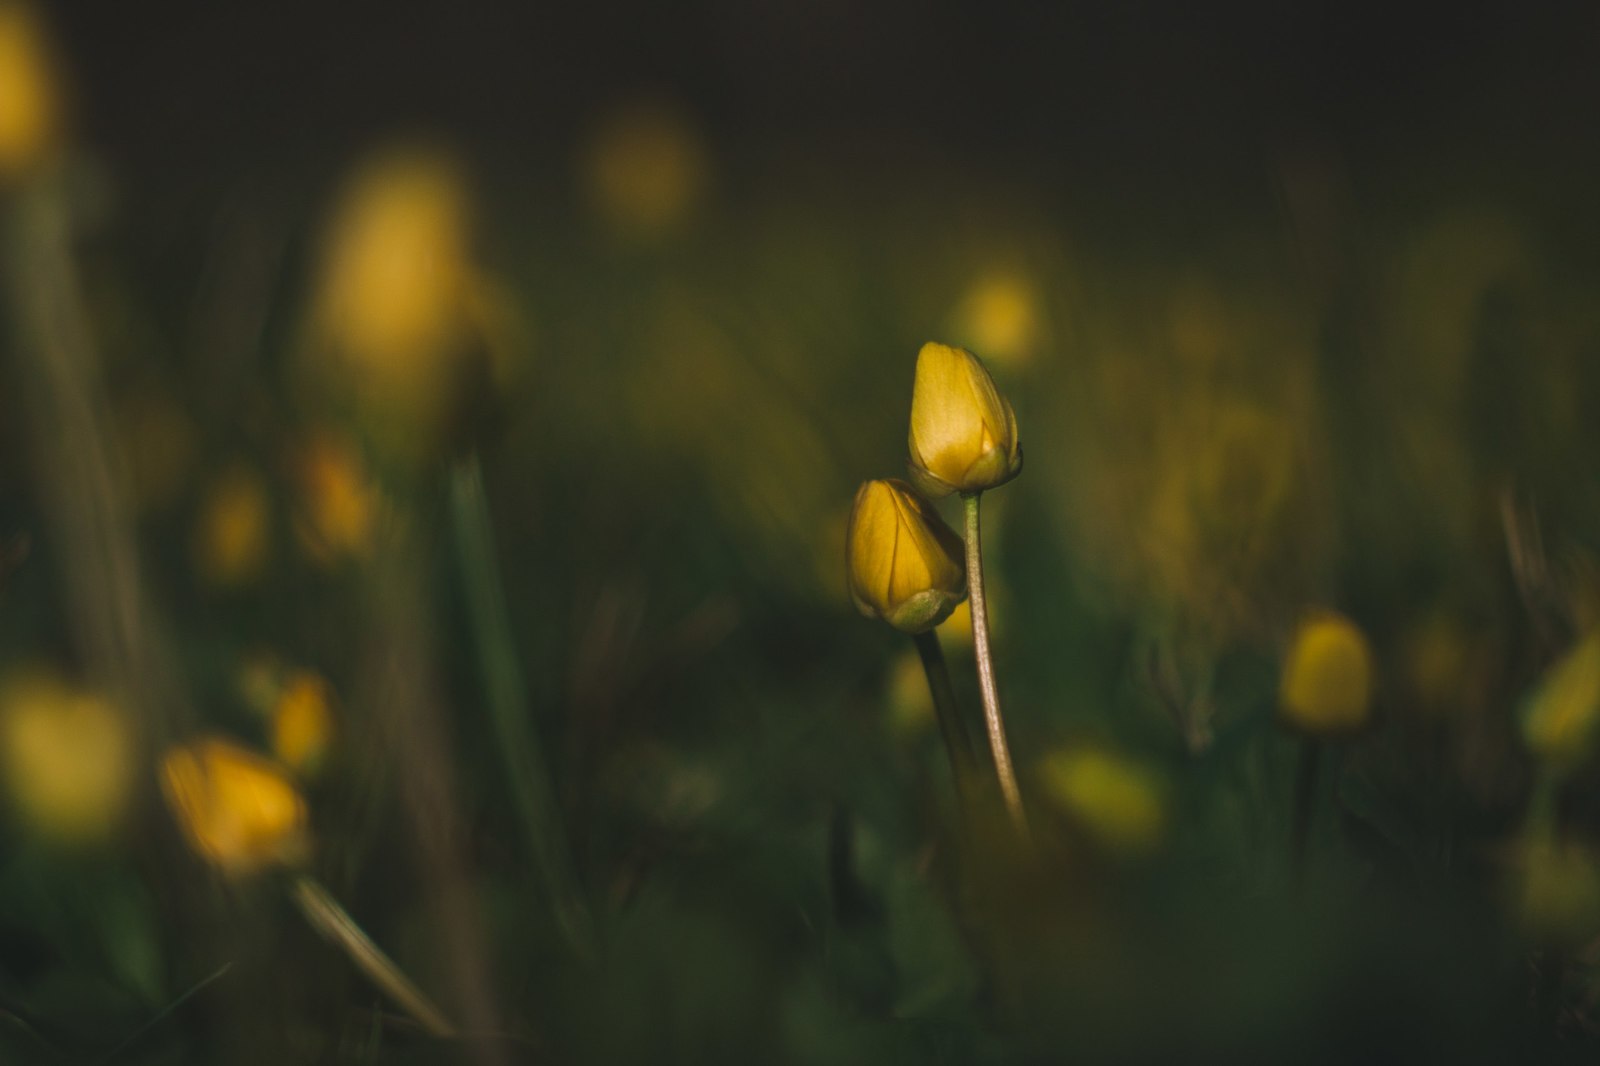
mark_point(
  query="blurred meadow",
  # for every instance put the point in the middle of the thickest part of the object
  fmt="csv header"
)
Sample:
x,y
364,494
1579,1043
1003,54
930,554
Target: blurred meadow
x,y
427,441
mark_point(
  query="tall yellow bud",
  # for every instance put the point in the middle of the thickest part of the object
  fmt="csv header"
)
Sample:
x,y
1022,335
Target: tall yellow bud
x,y
1326,688
963,431
905,565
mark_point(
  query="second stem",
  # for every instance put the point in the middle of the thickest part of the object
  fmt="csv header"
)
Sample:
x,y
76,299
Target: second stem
x,y
996,726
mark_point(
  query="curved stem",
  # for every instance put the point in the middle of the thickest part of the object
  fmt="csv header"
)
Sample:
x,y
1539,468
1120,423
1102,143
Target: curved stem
x,y
986,682
956,742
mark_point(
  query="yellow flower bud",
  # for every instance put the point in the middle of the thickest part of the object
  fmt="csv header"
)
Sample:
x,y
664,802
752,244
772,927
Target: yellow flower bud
x,y
905,565
236,809
1559,719
1000,315
1556,891
1327,677
302,722
645,169
963,432
29,98
232,534
339,504
1118,802
68,758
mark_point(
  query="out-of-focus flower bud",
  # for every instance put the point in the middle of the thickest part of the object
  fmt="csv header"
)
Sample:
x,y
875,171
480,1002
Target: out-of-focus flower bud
x,y
231,534
1118,802
963,432
1000,316
1326,689
338,504
1559,719
1556,891
645,169
395,269
905,565
302,722
409,330
68,758
30,98
237,810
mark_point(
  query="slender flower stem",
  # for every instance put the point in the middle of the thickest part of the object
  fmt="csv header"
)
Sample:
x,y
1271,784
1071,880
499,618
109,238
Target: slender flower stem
x,y
523,756
334,922
1305,794
986,683
956,742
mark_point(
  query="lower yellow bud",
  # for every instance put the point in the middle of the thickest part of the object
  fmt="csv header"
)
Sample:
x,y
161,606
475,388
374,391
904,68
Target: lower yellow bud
x,y
905,565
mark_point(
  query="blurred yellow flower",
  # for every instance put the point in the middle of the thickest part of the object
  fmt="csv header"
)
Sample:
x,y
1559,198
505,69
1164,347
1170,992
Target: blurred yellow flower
x,y
1118,802
302,722
645,169
905,565
237,810
1557,891
1559,719
338,506
963,432
30,97
410,332
1000,316
910,702
1326,688
395,265
231,538
68,758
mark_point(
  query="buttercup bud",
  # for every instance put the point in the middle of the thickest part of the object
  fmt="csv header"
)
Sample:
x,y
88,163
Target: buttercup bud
x,y
237,810
905,564
963,432
29,98
1327,677
1560,718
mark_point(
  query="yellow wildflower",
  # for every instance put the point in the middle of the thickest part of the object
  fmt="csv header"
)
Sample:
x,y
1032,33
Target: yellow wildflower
x,y
1116,801
30,98
237,810
68,758
1558,722
231,535
1326,688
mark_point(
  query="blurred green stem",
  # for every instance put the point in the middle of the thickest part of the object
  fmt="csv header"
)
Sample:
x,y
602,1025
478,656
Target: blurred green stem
x,y
526,767
1305,795
334,922
986,680
956,742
